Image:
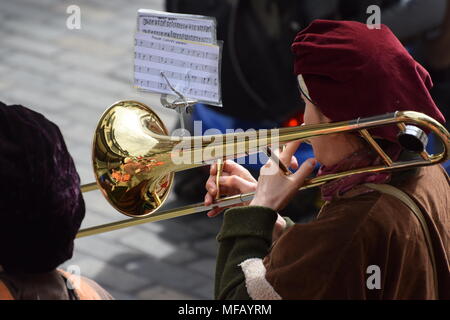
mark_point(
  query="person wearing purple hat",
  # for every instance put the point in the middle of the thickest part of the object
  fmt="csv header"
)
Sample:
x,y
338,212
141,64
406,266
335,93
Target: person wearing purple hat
x,y
378,235
41,210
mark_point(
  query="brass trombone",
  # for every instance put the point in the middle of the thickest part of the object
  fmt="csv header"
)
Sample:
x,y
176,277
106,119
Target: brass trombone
x,y
133,157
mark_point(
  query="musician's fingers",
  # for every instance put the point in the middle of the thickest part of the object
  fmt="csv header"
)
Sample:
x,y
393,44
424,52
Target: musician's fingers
x,y
214,212
288,152
211,197
208,199
234,168
228,166
237,183
210,185
294,163
304,171
213,169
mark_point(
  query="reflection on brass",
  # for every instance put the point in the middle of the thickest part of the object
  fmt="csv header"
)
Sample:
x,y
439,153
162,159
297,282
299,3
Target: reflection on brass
x,y
129,159
133,157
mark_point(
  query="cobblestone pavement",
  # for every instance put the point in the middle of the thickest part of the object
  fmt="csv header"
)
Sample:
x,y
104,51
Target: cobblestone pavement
x,y
72,76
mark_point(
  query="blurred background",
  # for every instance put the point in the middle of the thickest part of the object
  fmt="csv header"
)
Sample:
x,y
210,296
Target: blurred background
x,y
72,76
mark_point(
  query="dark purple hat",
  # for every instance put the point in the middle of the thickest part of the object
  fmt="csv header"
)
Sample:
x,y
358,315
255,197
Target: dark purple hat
x,y
41,205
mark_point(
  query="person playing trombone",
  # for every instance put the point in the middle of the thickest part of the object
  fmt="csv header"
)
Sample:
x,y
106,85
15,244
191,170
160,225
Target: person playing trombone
x,y
378,235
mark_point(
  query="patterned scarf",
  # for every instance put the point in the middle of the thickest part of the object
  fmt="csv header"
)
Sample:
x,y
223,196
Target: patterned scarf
x,y
363,158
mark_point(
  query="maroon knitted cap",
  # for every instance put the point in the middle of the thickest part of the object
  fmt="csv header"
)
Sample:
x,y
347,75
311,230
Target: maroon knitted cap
x,y
352,71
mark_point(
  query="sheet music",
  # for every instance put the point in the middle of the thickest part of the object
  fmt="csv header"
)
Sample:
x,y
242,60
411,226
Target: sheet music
x,y
178,26
191,68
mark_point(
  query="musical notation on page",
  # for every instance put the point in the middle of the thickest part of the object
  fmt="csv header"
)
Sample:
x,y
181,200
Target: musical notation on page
x,y
191,68
177,26
176,49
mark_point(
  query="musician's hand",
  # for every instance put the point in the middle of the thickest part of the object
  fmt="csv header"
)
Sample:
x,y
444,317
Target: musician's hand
x,y
274,188
235,179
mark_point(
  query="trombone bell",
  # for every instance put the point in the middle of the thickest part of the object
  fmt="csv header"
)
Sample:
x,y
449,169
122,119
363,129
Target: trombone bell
x,y
129,157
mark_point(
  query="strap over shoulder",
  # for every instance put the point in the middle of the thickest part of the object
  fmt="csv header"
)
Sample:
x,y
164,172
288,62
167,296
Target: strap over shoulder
x,y
406,199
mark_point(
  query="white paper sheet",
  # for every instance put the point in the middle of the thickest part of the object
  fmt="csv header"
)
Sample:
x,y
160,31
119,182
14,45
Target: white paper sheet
x,y
192,68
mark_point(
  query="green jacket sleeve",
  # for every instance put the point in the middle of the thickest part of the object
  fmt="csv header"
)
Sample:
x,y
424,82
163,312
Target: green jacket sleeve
x,y
246,233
